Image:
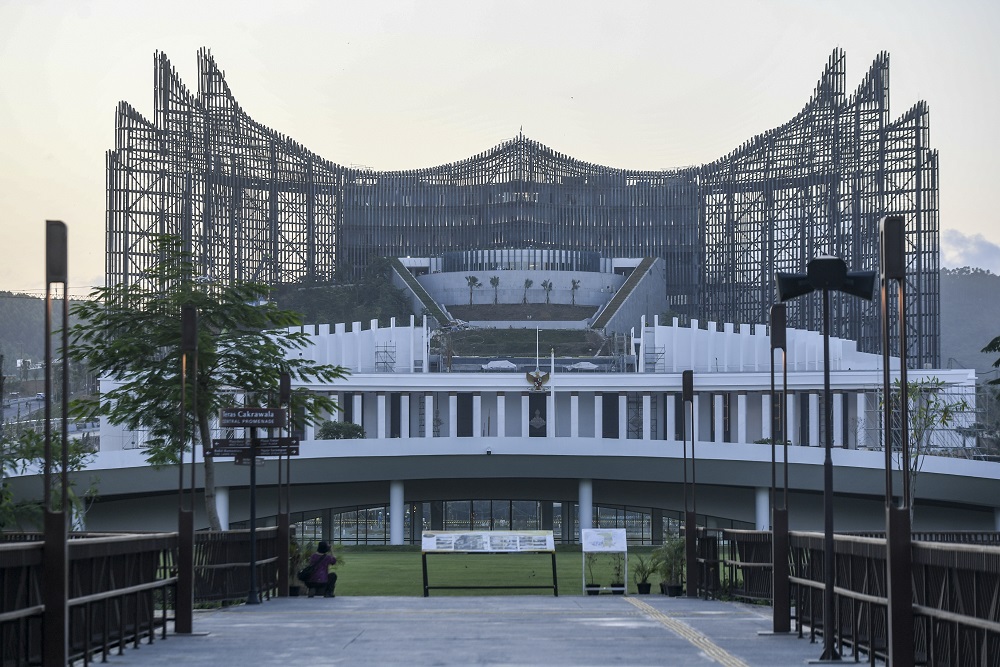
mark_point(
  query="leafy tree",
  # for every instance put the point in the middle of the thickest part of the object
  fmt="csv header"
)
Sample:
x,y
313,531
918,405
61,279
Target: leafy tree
x,y
930,408
331,430
132,334
994,346
547,286
23,450
574,286
495,284
527,286
473,284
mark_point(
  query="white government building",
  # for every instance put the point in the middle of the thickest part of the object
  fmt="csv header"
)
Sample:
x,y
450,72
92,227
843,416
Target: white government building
x,y
597,442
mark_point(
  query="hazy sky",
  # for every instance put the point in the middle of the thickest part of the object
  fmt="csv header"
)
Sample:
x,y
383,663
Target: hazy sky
x,y
398,85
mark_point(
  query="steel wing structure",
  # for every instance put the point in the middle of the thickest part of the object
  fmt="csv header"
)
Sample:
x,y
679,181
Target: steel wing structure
x,y
253,205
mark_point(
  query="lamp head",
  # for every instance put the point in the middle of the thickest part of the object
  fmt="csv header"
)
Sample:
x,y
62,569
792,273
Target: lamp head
x,y
791,285
826,272
859,283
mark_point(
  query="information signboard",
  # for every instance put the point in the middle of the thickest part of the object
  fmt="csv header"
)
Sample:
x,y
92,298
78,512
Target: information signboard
x,y
486,541
265,447
607,540
251,417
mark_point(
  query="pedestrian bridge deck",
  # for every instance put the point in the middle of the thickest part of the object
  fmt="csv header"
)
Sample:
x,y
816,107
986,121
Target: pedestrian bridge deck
x,y
499,630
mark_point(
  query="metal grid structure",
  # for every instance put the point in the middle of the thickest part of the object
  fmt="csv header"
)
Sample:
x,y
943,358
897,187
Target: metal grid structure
x,y
254,205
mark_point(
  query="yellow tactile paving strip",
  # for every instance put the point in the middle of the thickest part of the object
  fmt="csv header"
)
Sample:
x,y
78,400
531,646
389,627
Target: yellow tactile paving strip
x,y
685,631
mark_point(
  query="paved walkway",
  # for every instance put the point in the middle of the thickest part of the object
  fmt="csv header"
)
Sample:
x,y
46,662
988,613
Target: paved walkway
x,y
510,630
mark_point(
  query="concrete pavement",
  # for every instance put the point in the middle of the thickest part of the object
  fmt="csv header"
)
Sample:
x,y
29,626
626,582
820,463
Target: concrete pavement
x,y
503,630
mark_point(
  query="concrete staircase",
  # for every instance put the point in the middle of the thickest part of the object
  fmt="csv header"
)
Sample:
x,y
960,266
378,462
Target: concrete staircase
x,y
623,293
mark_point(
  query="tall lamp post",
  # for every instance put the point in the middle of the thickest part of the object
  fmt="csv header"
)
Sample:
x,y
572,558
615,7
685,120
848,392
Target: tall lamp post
x,y
284,536
826,274
781,619
690,511
897,519
184,613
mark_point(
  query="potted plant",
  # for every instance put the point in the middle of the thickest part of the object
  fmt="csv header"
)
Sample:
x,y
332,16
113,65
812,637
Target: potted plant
x,y
642,568
591,585
618,574
296,560
670,565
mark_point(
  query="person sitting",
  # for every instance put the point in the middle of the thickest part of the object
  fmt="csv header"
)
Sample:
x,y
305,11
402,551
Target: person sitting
x,y
321,577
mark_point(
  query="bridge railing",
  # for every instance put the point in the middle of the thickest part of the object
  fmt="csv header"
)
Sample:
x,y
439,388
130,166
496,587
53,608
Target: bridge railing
x,y
956,585
118,591
222,564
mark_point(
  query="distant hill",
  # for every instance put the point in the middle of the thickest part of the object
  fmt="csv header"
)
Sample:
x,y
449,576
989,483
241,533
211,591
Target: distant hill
x,y
22,325
970,318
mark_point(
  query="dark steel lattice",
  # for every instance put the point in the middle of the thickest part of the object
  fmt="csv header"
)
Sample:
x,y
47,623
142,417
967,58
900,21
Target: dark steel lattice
x,y
254,205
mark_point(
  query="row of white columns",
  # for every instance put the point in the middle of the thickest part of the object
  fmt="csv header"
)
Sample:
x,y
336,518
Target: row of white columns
x,y
741,421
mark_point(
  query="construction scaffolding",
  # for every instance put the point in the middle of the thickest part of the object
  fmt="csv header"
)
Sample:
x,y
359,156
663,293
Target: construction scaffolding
x,y
253,205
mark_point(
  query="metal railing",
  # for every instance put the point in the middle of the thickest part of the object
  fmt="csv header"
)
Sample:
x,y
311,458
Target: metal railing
x,y
222,565
117,584
956,588
121,587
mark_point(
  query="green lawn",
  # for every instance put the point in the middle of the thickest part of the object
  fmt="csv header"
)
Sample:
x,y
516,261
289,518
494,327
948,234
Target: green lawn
x,y
399,572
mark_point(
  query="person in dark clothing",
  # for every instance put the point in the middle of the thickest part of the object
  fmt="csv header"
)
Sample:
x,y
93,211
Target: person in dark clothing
x,y
321,577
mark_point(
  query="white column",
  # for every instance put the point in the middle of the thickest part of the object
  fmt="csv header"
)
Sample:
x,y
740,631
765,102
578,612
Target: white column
x,y
765,416
741,417
452,414
428,415
792,418
501,415
671,428
222,505
647,416
358,405
586,501
310,431
598,415
338,415
838,419
525,416
814,419
396,512
622,417
404,415
550,417
574,415
861,403
695,423
717,421
380,415
477,415
762,497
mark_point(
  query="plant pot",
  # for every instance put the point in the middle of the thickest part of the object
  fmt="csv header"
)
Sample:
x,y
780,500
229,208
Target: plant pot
x,y
593,589
618,589
293,591
643,587
673,590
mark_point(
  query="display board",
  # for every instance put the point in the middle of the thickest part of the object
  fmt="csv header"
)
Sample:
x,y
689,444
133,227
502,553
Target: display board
x,y
486,541
606,540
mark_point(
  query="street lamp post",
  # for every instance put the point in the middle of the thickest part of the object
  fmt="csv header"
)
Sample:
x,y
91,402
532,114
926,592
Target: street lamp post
x,y
826,274
184,613
690,510
781,602
899,589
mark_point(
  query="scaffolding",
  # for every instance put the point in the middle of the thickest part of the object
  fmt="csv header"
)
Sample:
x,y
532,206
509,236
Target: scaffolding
x,y
253,205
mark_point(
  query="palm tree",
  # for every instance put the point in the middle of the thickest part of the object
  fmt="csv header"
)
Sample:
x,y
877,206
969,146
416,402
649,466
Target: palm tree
x,y
573,289
473,284
547,286
527,285
495,284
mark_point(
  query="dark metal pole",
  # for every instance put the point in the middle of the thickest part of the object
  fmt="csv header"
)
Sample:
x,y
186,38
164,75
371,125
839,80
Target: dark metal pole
x,y
184,610
829,648
899,589
55,563
284,536
253,596
781,600
690,511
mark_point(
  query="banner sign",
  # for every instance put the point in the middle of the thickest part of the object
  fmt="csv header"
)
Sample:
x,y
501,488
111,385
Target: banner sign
x,y
251,417
486,541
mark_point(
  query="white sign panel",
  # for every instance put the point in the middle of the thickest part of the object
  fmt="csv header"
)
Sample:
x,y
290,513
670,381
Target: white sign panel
x,y
487,541
603,539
